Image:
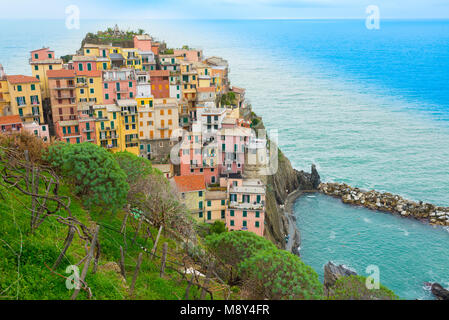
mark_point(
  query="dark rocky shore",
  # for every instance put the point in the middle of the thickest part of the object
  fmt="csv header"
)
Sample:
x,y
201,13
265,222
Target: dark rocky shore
x,y
387,202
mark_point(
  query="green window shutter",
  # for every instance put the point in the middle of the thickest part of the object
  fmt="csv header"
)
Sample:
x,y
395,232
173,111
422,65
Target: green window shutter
x,y
77,140
106,96
105,66
141,147
223,147
130,84
114,115
200,204
223,214
105,85
151,103
200,193
92,90
257,224
102,125
87,125
89,67
80,66
64,131
100,114
33,87
245,214
36,68
148,148
36,56
257,214
209,215
69,129
200,214
19,88
232,213
131,94
223,202
232,223
209,203
244,223
258,198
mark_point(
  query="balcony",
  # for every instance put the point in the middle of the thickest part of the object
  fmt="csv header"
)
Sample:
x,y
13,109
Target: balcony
x,y
88,130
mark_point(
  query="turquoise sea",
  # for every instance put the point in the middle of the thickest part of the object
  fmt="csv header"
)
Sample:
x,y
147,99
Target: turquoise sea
x,y
368,107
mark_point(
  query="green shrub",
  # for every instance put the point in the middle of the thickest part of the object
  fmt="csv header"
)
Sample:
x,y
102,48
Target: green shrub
x,y
277,274
354,288
218,227
93,172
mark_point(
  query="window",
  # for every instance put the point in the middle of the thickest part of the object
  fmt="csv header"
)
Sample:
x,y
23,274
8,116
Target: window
x,y
36,56
78,140
105,85
89,67
209,203
223,202
91,80
256,224
231,212
81,91
130,84
92,90
80,66
209,215
105,65
257,214
33,87
200,204
258,198
232,223
245,214
50,67
19,88
200,193
106,96
36,68
223,214
200,214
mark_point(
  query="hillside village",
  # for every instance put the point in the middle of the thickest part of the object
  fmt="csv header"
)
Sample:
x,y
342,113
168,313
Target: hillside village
x,y
175,107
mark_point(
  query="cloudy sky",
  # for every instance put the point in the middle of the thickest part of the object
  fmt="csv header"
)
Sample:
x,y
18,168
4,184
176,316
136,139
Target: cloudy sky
x,y
223,9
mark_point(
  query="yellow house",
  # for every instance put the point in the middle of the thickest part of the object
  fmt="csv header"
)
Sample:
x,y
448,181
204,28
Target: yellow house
x,y
204,74
89,86
129,127
108,126
191,190
5,99
25,97
132,58
41,61
216,204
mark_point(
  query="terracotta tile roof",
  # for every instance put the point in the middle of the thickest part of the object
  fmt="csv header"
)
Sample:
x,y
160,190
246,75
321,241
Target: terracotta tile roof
x,y
47,48
10,119
21,79
159,73
93,73
206,89
63,73
190,183
237,89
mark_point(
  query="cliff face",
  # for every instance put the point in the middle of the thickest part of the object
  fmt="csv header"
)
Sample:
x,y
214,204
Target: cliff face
x,y
279,185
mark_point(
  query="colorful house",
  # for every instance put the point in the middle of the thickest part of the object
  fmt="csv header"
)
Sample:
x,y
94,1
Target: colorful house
x,y
118,85
160,85
41,61
10,124
25,98
129,138
39,130
215,205
246,209
189,54
62,88
5,99
192,190
108,126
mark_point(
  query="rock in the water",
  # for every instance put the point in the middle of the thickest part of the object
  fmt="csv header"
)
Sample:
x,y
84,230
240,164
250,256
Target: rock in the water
x,y
440,292
315,177
333,272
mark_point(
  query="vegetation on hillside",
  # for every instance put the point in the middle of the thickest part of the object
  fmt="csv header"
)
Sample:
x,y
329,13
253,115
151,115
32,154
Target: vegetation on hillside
x,y
116,220
113,36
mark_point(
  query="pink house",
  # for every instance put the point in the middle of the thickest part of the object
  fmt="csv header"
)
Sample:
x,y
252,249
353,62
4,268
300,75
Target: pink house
x,y
119,85
84,63
246,210
142,42
197,158
189,54
231,141
42,54
39,130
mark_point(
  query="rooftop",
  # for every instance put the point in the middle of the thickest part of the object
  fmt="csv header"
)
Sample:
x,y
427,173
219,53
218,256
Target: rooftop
x,y
10,119
190,183
63,73
21,79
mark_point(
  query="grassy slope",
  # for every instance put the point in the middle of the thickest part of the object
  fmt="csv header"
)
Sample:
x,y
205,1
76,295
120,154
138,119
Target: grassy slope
x,y
23,257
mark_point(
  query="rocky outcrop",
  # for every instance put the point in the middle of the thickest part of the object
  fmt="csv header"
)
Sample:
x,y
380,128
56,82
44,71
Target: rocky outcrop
x,y
387,202
332,273
439,292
